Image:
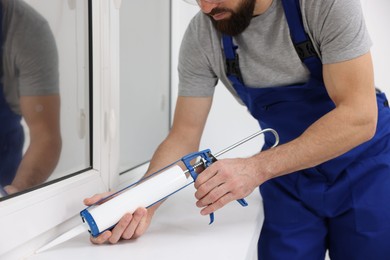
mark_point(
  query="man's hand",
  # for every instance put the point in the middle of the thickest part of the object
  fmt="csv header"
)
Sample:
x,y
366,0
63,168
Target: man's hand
x,y
224,181
11,189
130,226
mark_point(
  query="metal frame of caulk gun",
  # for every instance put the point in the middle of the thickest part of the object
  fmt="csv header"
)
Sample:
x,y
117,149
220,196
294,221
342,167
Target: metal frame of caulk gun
x,y
206,159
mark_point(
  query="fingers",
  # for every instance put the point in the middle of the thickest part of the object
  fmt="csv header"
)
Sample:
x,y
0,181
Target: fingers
x,y
212,192
210,185
120,228
205,185
221,183
127,226
95,198
221,202
215,199
136,227
130,226
205,176
211,197
102,238
11,189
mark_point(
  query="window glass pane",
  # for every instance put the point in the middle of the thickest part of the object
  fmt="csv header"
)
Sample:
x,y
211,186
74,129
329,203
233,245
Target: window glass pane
x,y
144,79
46,85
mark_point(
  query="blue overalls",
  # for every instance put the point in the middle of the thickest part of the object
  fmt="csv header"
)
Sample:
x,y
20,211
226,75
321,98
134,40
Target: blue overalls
x,y
11,131
342,205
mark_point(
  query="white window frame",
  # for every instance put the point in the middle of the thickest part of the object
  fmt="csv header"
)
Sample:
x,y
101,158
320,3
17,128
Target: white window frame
x,y
30,220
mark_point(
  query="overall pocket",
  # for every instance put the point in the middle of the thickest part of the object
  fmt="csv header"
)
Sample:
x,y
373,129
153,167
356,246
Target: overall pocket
x,y
370,184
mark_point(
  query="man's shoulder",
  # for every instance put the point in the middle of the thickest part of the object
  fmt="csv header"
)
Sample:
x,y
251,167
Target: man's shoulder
x,y
326,5
200,22
201,30
22,15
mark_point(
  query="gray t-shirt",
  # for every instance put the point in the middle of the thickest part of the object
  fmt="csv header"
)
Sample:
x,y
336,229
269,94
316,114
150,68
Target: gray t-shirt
x,y
266,52
30,57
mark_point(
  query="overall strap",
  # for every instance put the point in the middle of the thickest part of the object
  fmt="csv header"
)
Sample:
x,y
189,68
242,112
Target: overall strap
x,y
1,39
301,40
2,99
302,43
233,71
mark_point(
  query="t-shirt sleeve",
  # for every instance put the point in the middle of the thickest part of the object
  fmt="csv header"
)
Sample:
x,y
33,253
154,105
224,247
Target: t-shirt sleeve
x,y
196,78
37,61
338,28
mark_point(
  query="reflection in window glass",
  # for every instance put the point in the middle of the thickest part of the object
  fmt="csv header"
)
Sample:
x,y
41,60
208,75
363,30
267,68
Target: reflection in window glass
x,y
69,21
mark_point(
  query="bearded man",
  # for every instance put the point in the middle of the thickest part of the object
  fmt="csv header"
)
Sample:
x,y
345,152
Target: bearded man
x,y
304,69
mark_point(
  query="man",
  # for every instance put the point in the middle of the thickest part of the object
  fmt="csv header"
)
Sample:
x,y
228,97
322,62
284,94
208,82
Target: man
x,y
30,90
303,68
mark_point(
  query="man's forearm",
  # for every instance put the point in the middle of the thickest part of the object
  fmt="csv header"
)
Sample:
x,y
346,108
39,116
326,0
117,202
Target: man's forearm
x,y
332,135
38,162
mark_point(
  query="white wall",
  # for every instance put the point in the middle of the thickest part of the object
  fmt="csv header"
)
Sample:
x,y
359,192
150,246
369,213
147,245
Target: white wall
x,y
378,21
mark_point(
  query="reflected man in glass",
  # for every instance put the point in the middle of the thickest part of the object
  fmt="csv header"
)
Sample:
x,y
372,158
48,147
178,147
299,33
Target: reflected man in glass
x,y
29,90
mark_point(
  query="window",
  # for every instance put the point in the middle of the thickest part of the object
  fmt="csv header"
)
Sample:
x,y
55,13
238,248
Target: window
x,y
97,165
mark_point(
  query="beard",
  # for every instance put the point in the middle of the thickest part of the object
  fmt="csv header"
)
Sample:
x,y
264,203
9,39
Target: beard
x,y
238,21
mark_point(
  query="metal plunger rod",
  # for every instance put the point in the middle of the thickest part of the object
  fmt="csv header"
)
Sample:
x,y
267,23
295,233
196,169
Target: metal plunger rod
x,y
249,138
240,143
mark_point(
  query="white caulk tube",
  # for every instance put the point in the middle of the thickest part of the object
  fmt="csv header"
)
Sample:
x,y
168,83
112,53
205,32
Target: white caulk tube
x,y
147,192
107,212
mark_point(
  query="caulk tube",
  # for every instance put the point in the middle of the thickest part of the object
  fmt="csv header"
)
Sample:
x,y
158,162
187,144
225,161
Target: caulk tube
x,y
144,193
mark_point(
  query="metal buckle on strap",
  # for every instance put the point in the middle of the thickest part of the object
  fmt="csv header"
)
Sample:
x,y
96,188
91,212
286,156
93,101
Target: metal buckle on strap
x,y
305,50
233,67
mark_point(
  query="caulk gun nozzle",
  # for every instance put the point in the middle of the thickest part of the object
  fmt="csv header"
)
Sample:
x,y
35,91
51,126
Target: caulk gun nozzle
x,y
64,237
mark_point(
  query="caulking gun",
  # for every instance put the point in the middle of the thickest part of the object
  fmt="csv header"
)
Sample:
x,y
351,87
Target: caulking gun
x,y
106,213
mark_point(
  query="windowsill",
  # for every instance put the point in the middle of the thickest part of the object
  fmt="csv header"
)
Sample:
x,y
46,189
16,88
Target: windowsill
x,y
178,231
26,217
